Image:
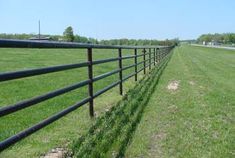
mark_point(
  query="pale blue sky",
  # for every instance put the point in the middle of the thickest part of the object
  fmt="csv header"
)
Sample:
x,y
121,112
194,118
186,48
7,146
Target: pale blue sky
x,y
106,19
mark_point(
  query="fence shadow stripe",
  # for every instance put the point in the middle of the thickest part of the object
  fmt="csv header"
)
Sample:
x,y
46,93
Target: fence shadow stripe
x,y
116,128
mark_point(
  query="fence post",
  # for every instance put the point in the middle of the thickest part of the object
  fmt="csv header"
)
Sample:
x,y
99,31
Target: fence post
x,y
135,64
150,58
90,85
144,61
154,56
120,68
157,55
160,55
164,53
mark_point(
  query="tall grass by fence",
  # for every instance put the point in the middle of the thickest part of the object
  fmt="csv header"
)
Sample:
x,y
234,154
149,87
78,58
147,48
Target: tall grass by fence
x,y
154,54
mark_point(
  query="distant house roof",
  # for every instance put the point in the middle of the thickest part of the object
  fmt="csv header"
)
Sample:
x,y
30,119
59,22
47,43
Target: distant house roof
x,y
41,38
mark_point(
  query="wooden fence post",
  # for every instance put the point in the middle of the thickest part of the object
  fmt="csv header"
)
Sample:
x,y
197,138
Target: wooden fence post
x,y
90,85
154,56
157,55
150,58
160,55
164,53
135,64
120,68
144,61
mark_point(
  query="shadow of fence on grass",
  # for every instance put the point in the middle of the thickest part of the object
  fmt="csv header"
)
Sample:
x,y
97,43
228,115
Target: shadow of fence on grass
x,y
112,133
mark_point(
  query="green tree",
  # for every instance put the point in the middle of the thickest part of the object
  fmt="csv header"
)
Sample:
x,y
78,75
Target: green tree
x,y
68,34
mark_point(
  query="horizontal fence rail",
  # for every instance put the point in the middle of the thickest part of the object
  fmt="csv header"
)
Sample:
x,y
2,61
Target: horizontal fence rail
x,y
150,56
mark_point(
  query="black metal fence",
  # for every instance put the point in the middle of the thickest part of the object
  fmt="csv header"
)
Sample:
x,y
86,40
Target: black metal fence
x,y
155,55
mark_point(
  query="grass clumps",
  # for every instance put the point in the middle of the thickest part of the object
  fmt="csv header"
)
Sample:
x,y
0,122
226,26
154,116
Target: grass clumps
x,y
111,133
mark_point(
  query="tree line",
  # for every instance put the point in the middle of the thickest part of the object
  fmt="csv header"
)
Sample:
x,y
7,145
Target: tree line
x,y
77,38
136,42
68,36
224,38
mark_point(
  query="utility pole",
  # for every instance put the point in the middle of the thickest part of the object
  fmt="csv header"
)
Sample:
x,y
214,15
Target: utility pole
x,y
39,30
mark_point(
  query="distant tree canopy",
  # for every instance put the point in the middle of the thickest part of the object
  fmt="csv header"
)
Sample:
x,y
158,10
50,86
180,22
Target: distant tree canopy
x,y
68,34
225,38
15,36
139,42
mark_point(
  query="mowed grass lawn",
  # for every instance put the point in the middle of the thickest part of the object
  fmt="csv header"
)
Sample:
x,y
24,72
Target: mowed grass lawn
x,y
60,133
197,119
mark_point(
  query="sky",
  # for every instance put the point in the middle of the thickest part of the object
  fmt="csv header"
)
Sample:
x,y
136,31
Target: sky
x,y
109,19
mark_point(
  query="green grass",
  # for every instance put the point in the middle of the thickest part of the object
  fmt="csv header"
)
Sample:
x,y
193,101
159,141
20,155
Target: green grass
x,y
76,123
196,120
110,135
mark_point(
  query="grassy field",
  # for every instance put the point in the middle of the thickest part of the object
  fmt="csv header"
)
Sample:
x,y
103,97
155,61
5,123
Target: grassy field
x,y
111,134
63,131
197,119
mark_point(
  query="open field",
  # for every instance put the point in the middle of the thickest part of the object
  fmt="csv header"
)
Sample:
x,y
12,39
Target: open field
x,y
230,47
74,124
197,119
194,120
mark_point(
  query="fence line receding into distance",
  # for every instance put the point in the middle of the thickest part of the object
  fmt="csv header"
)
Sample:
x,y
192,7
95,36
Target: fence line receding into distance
x,y
155,55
